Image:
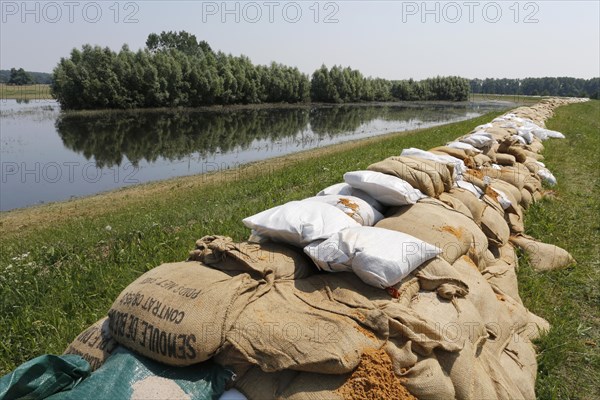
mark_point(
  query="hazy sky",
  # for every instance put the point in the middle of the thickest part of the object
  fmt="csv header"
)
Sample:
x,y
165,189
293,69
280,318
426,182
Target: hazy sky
x,y
388,39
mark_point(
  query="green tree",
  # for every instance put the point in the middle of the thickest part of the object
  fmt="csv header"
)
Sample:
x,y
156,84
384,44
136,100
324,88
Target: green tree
x,y
20,77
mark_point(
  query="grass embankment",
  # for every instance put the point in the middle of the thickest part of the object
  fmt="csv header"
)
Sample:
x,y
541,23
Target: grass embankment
x,y
514,98
569,362
25,92
81,254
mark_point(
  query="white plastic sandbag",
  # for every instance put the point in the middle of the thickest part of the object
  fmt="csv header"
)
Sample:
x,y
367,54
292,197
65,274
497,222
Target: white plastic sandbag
x,y
354,207
479,139
379,257
347,190
463,146
386,189
299,223
459,165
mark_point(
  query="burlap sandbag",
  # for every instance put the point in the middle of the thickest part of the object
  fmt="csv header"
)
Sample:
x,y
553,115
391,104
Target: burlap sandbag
x,y
395,166
454,152
495,227
475,206
317,324
95,344
542,256
519,153
456,204
259,260
532,165
511,175
481,160
433,222
519,361
503,276
498,323
259,385
511,191
427,381
500,134
536,146
526,199
503,385
440,175
178,313
522,321
372,379
445,171
531,154
505,159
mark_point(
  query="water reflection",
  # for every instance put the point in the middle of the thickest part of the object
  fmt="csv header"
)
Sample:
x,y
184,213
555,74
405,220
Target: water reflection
x,y
112,137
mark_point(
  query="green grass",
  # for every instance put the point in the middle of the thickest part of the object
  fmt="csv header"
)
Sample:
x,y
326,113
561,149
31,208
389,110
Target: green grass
x,y
515,98
25,92
569,361
75,266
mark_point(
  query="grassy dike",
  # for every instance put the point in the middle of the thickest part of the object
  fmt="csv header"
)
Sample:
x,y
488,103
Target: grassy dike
x,y
569,361
61,265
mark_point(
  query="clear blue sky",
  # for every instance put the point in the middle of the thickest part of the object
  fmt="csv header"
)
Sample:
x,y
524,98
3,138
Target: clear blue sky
x,y
388,39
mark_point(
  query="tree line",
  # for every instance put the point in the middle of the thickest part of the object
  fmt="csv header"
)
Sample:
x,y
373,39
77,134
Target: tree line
x,y
177,70
20,77
562,86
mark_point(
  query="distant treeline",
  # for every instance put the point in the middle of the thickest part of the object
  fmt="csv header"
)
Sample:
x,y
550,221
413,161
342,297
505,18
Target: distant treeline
x,y
176,70
35,77
564,86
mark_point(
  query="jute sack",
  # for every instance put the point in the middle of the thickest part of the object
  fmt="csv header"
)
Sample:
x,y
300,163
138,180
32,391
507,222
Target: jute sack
x,y
456,204
496,318
282,260
439,173
534,155
522,321
427,381
504,387
445,171
505,159
519,361
178,313
317,324
501,134
503,276
482,160
435,223
511,175
462,154
542,256
519,153
472,202
505,253
536,146
259,385
494,226
417,179
95,344
509,190
532,165
526,198
372,379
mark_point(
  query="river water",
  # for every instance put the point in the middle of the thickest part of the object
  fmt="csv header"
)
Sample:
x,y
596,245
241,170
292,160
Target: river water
x,y
49,156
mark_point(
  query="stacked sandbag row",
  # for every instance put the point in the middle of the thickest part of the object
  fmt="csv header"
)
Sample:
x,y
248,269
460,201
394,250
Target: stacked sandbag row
x,y
399,282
